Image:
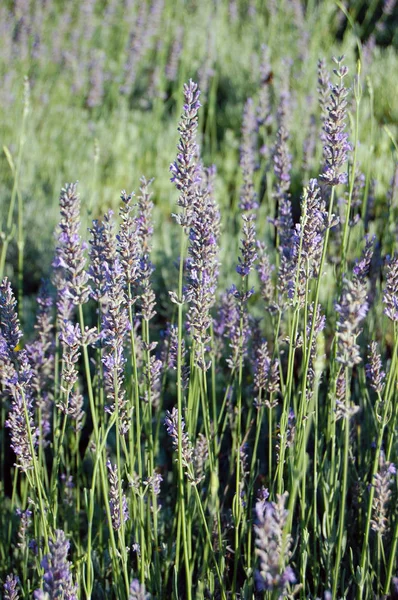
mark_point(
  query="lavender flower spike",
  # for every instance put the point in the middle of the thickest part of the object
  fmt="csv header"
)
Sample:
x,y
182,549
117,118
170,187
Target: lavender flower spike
x,y
171,422
118,513
137,591
10,588
336,140
184,169
352,310
9,323
390,297
58,581
271,547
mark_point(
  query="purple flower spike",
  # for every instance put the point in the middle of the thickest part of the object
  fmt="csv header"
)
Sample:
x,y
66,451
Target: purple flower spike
x,y
11,588
117,504
9,322
272,548
351,309
248,199
71,278
137,591
336,140
58,581
184,168
390,297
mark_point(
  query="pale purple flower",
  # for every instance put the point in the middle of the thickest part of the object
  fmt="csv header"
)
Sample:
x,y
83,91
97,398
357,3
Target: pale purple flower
x,y
9,322
265,270
10,588
390,297
323,93
248,196
24,525
266,377
351,310
20,418
115,327
96,67
129,244
248,248
117,501
171,69
171,423
309,236
362,266
184,169
70,263
383,481
264,114
137,591
144,232
336,145
374,369
154,482
202,268
272,547
58,580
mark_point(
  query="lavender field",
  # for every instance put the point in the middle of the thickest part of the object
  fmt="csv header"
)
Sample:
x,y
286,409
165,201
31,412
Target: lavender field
x,y
198,373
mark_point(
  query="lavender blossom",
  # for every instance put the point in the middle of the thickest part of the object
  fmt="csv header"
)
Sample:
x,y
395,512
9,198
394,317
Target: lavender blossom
x,y
117,500
69,263
144,233
323,94
382,495
24,524
58,580
153,374
200,456
390,297
24,433
362,267
248,249
171,423
96,92
202,268
129,244
351,311
266,377
229,326
97,259
282,162
171,69
374,369
272,547
135,49
264,115
41,356
11,588
154,482
265,269
247,158
9,322
310,235
336,145
137,591
115,326
71,339
184,168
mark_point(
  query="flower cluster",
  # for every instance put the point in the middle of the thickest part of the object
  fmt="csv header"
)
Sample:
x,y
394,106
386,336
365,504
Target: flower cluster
x,y
117,499
57,578
273,547
184,169
336,145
